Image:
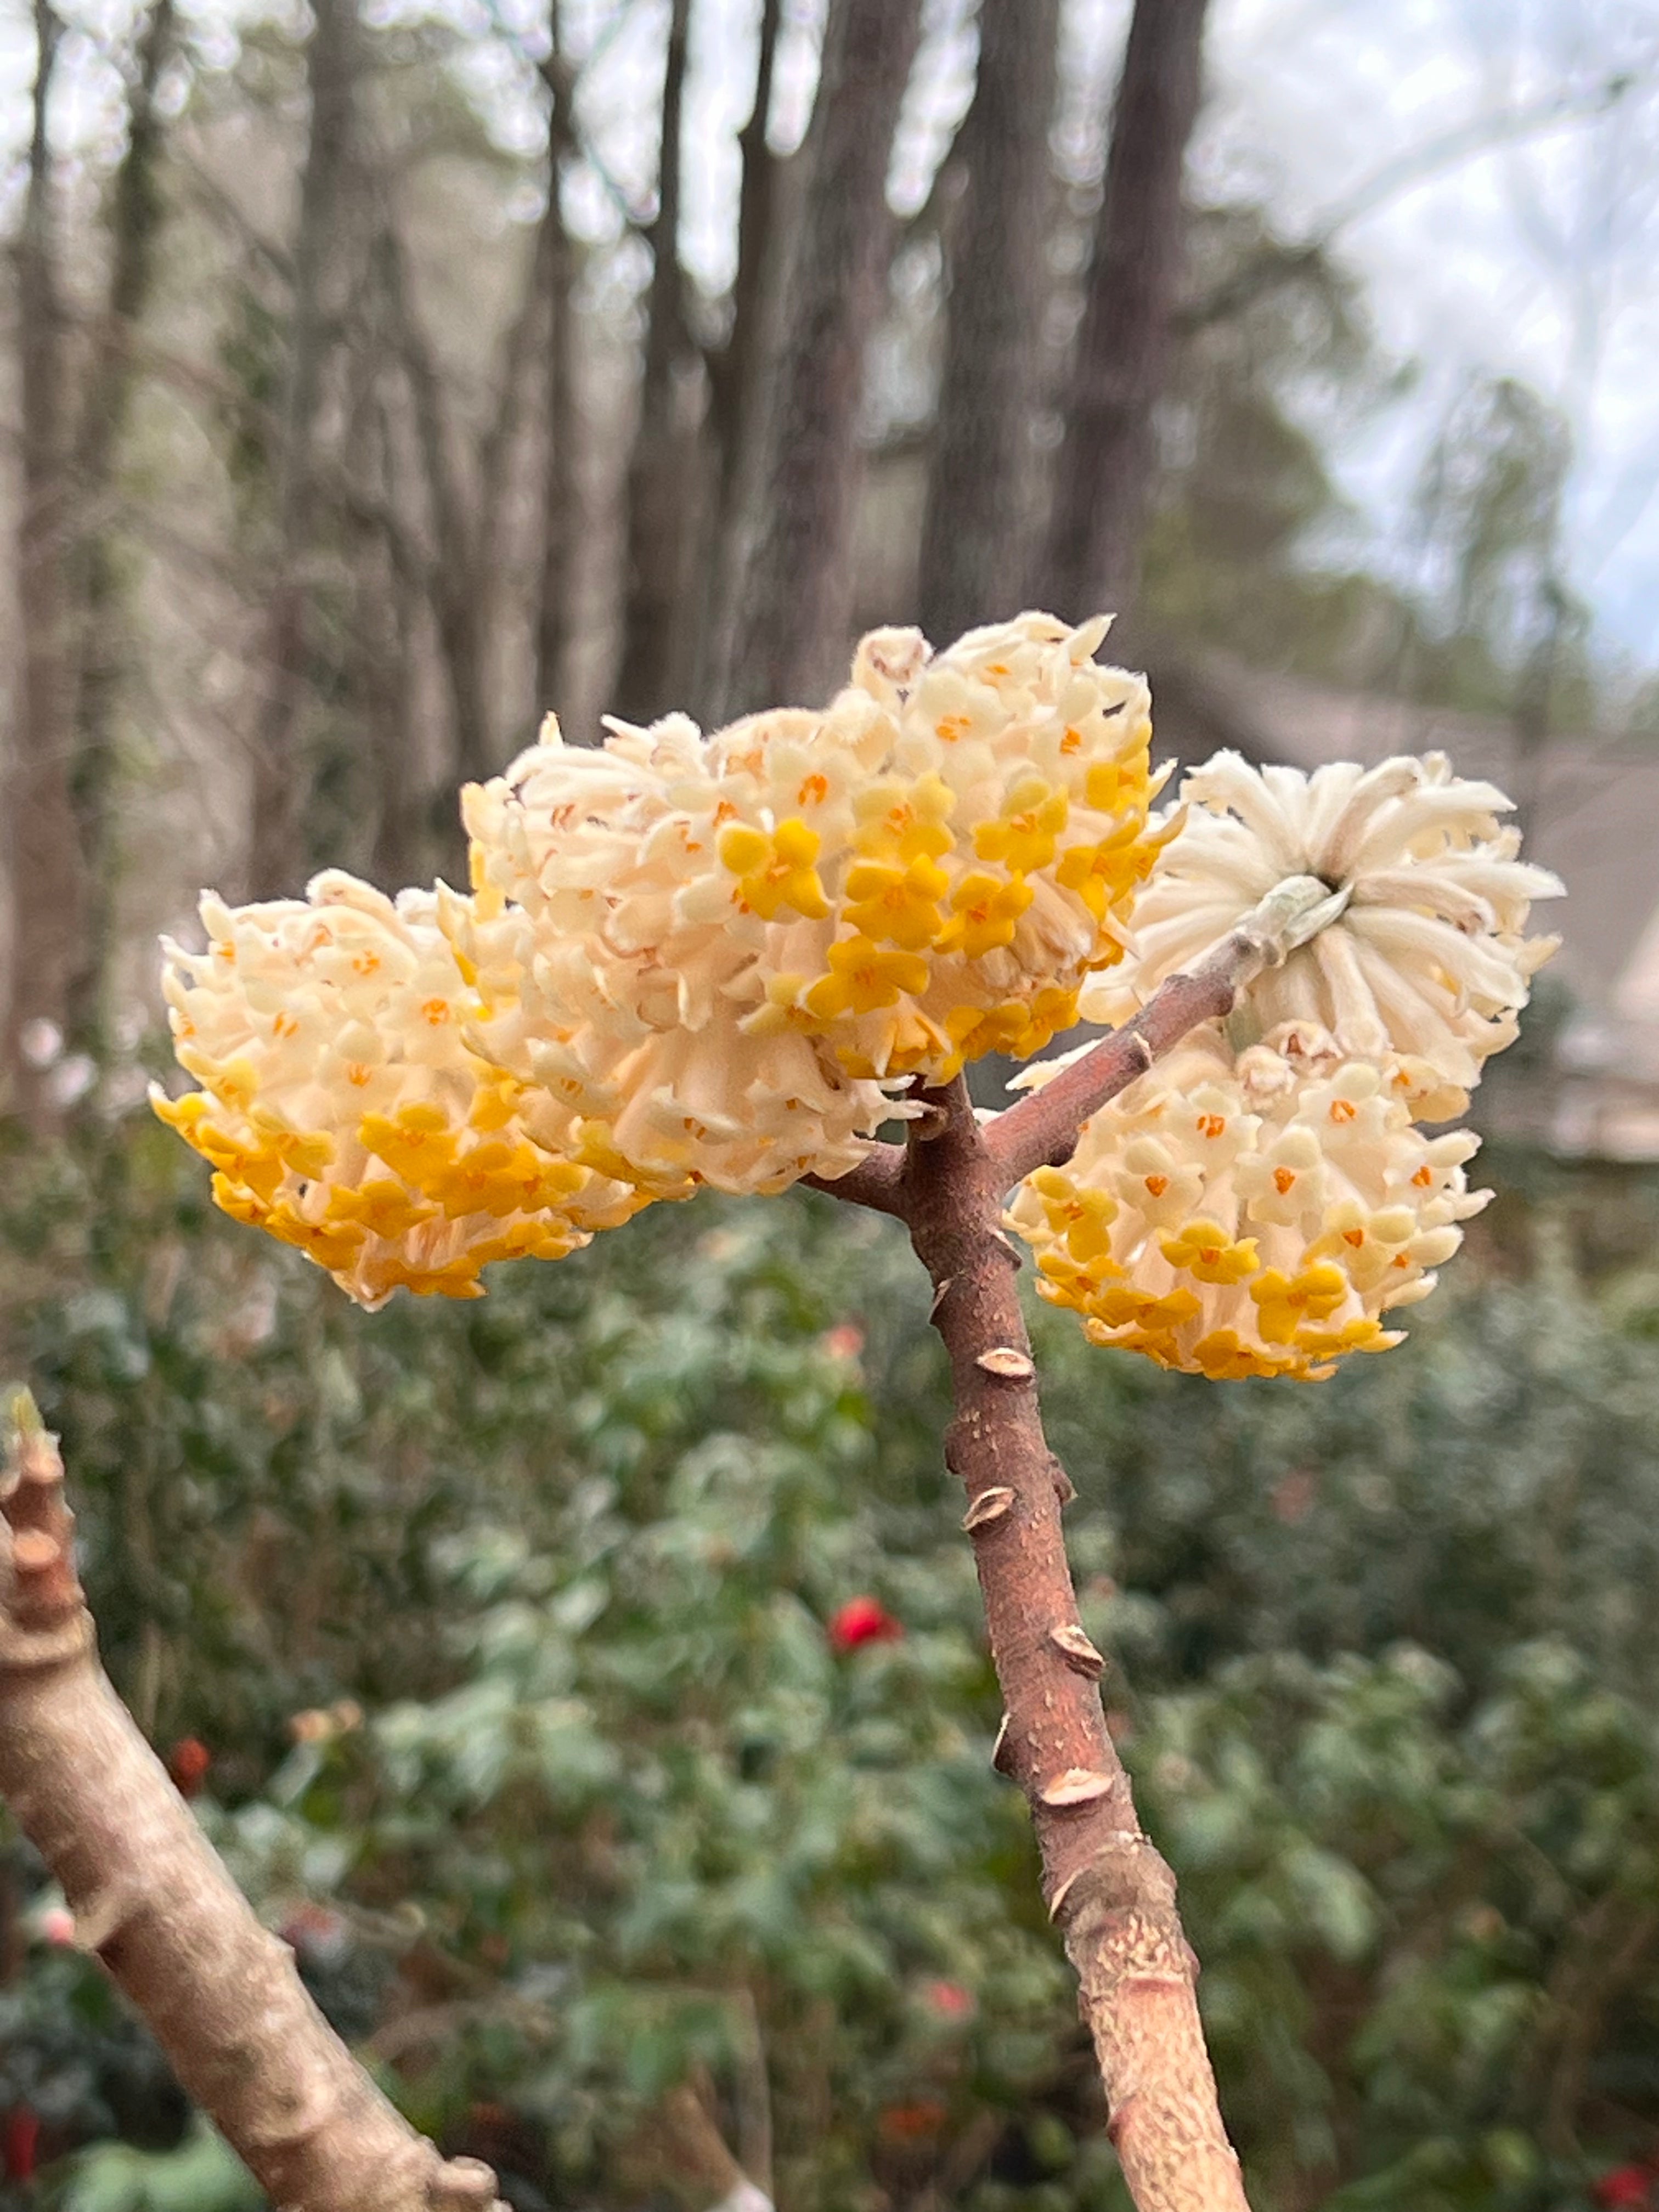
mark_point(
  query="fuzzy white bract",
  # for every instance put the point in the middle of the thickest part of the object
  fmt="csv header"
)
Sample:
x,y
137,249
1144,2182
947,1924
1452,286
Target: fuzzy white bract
x,y
723,954
1256,1215
1430,957
341,1108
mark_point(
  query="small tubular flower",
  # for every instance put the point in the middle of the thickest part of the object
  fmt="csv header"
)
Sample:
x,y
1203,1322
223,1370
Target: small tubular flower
x,y
1249,1215
342,1109
1430,961
724,954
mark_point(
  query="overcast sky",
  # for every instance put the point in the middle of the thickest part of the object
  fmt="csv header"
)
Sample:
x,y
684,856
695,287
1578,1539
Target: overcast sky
x,y
1532,256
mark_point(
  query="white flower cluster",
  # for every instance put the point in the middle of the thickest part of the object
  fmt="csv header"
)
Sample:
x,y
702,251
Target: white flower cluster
x,y
1253,1215
1256,1211
1430,957
684,961
722,953
344,1113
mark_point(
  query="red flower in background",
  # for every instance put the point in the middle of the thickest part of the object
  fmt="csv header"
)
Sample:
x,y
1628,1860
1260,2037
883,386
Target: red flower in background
x,y
863,1620
57,1927
187,1763
949,2000
912,2123
1629,2187
18,2139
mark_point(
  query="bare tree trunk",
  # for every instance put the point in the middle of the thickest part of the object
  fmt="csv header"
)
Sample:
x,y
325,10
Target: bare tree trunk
x,y
1108,452
47,882
976,530
100,637
281,769
407,826
736,374
556,275
659,475
792,616
458,605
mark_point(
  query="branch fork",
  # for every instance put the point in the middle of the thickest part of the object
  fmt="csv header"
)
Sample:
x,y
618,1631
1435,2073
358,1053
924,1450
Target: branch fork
x,y
1109,1891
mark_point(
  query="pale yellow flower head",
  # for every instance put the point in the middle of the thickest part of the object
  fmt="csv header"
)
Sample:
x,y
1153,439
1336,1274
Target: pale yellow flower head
x,y
1429,959
1260,1214
723,954
342,1109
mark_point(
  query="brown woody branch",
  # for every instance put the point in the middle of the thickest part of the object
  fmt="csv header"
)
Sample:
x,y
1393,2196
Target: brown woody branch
x,y
1041,1130
1112,1895
153,1899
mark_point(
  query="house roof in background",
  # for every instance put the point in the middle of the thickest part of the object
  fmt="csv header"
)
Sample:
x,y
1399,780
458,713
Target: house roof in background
x,y
1597,809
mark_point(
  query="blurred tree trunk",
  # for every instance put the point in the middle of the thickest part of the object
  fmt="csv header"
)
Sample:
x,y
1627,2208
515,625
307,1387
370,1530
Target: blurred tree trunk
x,y
555,274
458,599
47,883
660,465
100,635
1107,451
282,776
384,650
976,539
791,618
737,372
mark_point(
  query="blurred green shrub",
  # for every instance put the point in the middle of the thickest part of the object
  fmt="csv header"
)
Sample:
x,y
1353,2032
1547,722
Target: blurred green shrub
x,y
507,1625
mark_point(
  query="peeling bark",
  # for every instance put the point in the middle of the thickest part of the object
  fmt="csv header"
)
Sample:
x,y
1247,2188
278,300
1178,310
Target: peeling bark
x,y
152,1899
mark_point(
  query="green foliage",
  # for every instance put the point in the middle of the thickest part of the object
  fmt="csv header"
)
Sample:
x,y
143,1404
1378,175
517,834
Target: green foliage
x,y
621,1838
201,2175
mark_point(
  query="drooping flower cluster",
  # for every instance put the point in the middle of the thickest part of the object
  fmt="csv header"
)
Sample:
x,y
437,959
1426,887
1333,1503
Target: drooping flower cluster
x,y
1430,957
723,953
1255,1215
1257,1211
344,1113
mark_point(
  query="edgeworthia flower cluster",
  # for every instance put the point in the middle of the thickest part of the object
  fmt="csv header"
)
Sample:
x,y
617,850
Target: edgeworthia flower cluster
x,y
722,954
342,1109
1258,1202
685,960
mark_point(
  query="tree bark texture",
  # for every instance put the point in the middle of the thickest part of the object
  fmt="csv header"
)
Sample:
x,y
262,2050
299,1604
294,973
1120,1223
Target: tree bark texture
x,y
151,1897
1106,1885
281,764
456,585
736,374
660,470
1107,451
100,634
1108,1890
791,616
556,275
44,871
976,536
